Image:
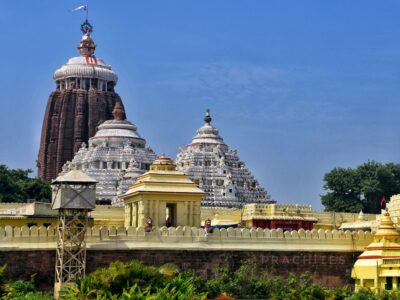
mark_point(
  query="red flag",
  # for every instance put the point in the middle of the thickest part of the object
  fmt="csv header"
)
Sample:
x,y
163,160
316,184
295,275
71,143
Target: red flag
x,y
383,202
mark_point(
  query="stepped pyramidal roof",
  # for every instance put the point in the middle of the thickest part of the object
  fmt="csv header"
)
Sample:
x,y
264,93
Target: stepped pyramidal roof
x,y
116,156
219,171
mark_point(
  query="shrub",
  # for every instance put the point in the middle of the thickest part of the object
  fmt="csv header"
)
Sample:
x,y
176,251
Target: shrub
x,y
133,280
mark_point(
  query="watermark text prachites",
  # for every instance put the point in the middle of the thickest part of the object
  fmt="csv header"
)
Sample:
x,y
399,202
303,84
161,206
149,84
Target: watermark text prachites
x,y
306,259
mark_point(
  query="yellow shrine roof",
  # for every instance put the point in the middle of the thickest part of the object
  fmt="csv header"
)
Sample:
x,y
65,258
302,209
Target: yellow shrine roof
x,y
163,178
386,244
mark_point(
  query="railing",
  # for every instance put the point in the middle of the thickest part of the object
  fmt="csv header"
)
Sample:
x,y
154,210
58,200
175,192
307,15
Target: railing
x,y
391,261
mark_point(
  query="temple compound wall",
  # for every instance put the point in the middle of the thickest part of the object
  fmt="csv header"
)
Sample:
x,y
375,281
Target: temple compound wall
x,y
327,255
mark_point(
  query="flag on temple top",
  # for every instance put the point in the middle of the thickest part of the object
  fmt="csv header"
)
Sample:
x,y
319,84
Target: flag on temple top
x,y
383,202
82,7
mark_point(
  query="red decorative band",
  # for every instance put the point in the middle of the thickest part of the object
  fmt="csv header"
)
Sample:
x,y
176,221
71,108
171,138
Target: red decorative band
x,y
90,60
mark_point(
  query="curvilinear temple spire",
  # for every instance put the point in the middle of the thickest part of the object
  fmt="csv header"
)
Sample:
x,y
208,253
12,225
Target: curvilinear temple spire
x,y
83,99
218,171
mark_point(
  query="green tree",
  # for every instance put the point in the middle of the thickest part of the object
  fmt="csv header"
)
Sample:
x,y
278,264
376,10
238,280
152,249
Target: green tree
x,y
17,186
352,190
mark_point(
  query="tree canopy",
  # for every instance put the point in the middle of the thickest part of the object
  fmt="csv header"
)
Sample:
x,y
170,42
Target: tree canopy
x,y
352,190
17,186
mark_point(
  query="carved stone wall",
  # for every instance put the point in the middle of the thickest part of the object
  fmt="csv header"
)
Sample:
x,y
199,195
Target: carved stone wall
x,y
71,117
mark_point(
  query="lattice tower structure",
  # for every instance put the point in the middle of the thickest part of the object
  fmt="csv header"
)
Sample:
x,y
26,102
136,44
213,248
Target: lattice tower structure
x,y
71,245
73,195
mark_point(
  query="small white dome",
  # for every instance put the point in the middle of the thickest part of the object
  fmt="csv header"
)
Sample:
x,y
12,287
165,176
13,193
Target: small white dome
x,y
87,65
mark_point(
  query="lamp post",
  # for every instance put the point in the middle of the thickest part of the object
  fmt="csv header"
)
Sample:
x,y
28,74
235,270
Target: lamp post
x,y
73,195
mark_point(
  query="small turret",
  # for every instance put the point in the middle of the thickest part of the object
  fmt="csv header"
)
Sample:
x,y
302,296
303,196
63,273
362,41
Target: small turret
x,y
163,163
86,46
207,117
377,267
118,111
386,230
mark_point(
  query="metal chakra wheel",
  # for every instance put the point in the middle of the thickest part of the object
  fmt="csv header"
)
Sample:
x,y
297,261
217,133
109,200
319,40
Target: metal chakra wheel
x,y
86,27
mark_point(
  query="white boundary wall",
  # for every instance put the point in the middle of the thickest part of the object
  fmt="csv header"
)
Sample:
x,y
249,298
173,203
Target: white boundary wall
x,y
186,238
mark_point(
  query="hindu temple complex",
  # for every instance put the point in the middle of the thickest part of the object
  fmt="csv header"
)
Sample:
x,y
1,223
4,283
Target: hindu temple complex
x,y
219,171
115,157
201,212
83,99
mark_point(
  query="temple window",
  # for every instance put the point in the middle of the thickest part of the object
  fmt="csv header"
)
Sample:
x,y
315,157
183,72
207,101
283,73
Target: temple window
x,y
389,283
110,86
144,166
72,83
94,83
102,85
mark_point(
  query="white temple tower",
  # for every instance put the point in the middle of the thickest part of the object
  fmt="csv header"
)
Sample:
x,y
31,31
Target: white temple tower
x,y
116,155
218,171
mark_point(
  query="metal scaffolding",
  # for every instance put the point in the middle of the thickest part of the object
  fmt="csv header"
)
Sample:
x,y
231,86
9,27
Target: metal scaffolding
x,y
74,195
71,245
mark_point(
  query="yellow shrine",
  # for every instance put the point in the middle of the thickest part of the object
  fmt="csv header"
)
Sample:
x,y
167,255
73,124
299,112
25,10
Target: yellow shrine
x,y
163,193
378,267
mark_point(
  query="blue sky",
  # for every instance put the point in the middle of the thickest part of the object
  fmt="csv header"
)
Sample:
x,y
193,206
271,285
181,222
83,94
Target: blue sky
x,y
298,87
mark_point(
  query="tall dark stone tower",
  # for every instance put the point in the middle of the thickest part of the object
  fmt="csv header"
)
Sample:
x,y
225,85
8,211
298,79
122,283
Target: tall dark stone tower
x,y
83,99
